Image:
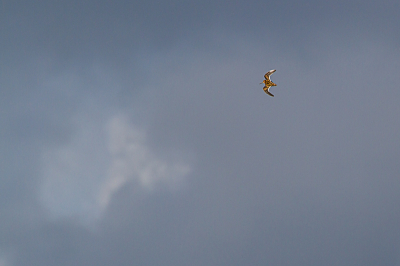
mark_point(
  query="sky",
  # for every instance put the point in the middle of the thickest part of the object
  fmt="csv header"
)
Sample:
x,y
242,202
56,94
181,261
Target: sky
x,y
137,133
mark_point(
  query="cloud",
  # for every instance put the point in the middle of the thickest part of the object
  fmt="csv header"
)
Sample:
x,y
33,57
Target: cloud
x,y
132,159
72,171
80,177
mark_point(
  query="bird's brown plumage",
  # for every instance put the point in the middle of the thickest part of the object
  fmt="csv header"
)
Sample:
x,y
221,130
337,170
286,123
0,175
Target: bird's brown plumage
x,y
268,83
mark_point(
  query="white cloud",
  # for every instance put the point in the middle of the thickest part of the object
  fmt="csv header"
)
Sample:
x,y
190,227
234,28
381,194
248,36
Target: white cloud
x,y
133,160
80,178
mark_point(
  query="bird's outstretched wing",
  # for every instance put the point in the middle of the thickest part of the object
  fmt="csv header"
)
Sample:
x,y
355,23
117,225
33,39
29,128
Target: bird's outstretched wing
x,y
266,76
266,89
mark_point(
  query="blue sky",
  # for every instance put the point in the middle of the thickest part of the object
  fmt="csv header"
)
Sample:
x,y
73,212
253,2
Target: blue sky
x,y
137,133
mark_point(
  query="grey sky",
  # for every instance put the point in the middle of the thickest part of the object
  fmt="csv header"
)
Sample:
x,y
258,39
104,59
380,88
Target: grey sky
x,y
137,133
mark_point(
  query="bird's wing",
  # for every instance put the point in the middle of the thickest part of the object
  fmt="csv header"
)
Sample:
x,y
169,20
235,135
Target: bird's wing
x,y
266,76
266,89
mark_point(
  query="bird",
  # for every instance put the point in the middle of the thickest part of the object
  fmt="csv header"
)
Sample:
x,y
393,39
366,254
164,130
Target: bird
x,y
268,83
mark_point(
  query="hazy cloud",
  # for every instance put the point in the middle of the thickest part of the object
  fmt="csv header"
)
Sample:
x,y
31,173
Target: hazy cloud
x,y
81,176
132,159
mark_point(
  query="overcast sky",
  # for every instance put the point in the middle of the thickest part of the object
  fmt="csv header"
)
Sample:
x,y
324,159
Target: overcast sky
x,y
137,133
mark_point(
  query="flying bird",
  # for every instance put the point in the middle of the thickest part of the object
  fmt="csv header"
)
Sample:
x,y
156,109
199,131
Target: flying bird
x,y
268,83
